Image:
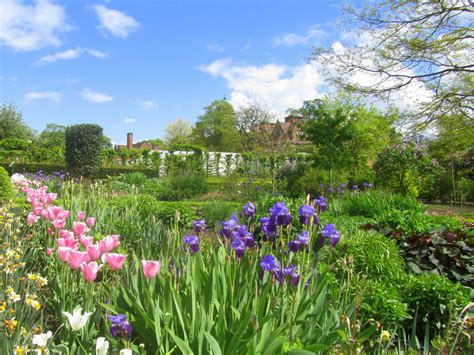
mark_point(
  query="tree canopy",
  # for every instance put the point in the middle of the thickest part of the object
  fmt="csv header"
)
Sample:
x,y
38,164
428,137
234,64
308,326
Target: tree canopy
x,y
216,128
178,132
425,45
12,124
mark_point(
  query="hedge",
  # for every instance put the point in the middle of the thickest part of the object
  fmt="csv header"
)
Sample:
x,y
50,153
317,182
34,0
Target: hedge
x,y
165,211
103,172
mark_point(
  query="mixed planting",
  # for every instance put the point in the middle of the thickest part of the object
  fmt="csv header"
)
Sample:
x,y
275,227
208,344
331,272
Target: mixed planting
x,y
327,273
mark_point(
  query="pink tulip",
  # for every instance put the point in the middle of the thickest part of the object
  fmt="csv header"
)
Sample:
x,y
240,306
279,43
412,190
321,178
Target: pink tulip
x,y
44,214
37,210
63,253
107,244
49,251
86,240
89,271
32,219
75,259
58,223
79,229
65,233
91,221
151,268
115,261
94,251
81,215
116,239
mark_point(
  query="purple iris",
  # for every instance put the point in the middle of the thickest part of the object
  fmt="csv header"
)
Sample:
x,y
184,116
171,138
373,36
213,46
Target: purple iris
x,y
193,243
295,245
306,212
295,278
248,210
239,247
241,231
287,271
199,225
249,241
269,263
120,326
367,185
330,231
280,215
268,227
321,202
228,226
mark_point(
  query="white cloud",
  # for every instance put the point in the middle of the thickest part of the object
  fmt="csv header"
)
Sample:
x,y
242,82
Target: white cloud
x,y
313,36
70,54
147,104
28,27
96,97
129,120
115,22
43,95
214,47
281,87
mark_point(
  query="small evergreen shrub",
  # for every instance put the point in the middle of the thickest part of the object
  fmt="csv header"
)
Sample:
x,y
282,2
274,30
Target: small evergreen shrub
x,y
6,189
84,149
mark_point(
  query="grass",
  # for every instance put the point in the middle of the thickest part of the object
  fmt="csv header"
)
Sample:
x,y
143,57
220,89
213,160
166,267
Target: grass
x,y
465,212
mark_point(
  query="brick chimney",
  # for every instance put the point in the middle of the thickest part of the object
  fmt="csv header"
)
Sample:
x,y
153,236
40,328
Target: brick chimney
x,y
129,140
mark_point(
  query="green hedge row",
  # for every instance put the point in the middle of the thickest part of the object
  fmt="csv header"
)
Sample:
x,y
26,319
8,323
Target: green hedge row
x,y
166,211
103,172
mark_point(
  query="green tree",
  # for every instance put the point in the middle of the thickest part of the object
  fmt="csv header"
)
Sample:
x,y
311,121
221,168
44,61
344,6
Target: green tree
x,y
216,128
12,125
178,132
409,43
84,145
53,136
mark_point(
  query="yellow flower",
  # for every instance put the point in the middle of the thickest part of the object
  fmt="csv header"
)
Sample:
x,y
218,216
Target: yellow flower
x,y
3,306
23,331
20,350
385,336
31,301
10,324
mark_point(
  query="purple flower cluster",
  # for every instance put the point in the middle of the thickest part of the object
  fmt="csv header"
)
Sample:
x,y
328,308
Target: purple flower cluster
x,y
248,210
279,216
228,226
306,212
367,185
242,239
270,264
321,202
302,240
199,226
330,232
193,243
120,326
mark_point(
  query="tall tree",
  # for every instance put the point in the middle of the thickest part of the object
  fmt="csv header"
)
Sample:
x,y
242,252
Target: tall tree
x,y
408,43
178,132
53,135
216,128
12,124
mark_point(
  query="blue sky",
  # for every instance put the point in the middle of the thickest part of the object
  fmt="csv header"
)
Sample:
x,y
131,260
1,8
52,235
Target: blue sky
x,y
135,66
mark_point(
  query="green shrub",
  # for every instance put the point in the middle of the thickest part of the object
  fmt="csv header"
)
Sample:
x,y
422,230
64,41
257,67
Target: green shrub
x,y
6,189
14,144
133,178
84,149
432,299
183,187
217,211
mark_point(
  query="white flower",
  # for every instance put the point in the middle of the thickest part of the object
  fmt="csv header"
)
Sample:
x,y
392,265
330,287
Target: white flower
x,y
77,320
101,346
126,352
41,339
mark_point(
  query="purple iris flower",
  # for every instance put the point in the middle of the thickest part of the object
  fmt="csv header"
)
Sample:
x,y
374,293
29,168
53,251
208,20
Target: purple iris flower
x,y
280,215
295,278
321,202
268,227
228,226
294,245
305,212
249,241
287,271
303,238
120,326
193,242
241,231
330,231
199,225
355,187
239,247
269,263
248,210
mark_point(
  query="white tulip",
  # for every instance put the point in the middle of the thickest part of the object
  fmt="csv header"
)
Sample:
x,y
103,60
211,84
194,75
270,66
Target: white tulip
x,y
77,320
101,346
41,340
126,352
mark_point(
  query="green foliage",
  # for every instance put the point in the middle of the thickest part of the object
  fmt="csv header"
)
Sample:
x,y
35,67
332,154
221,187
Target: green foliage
x,y
433,300
6,189
216,128
133,178
84,149
53,136
12,125
14,144
178,132
182,187
405,168
216,211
